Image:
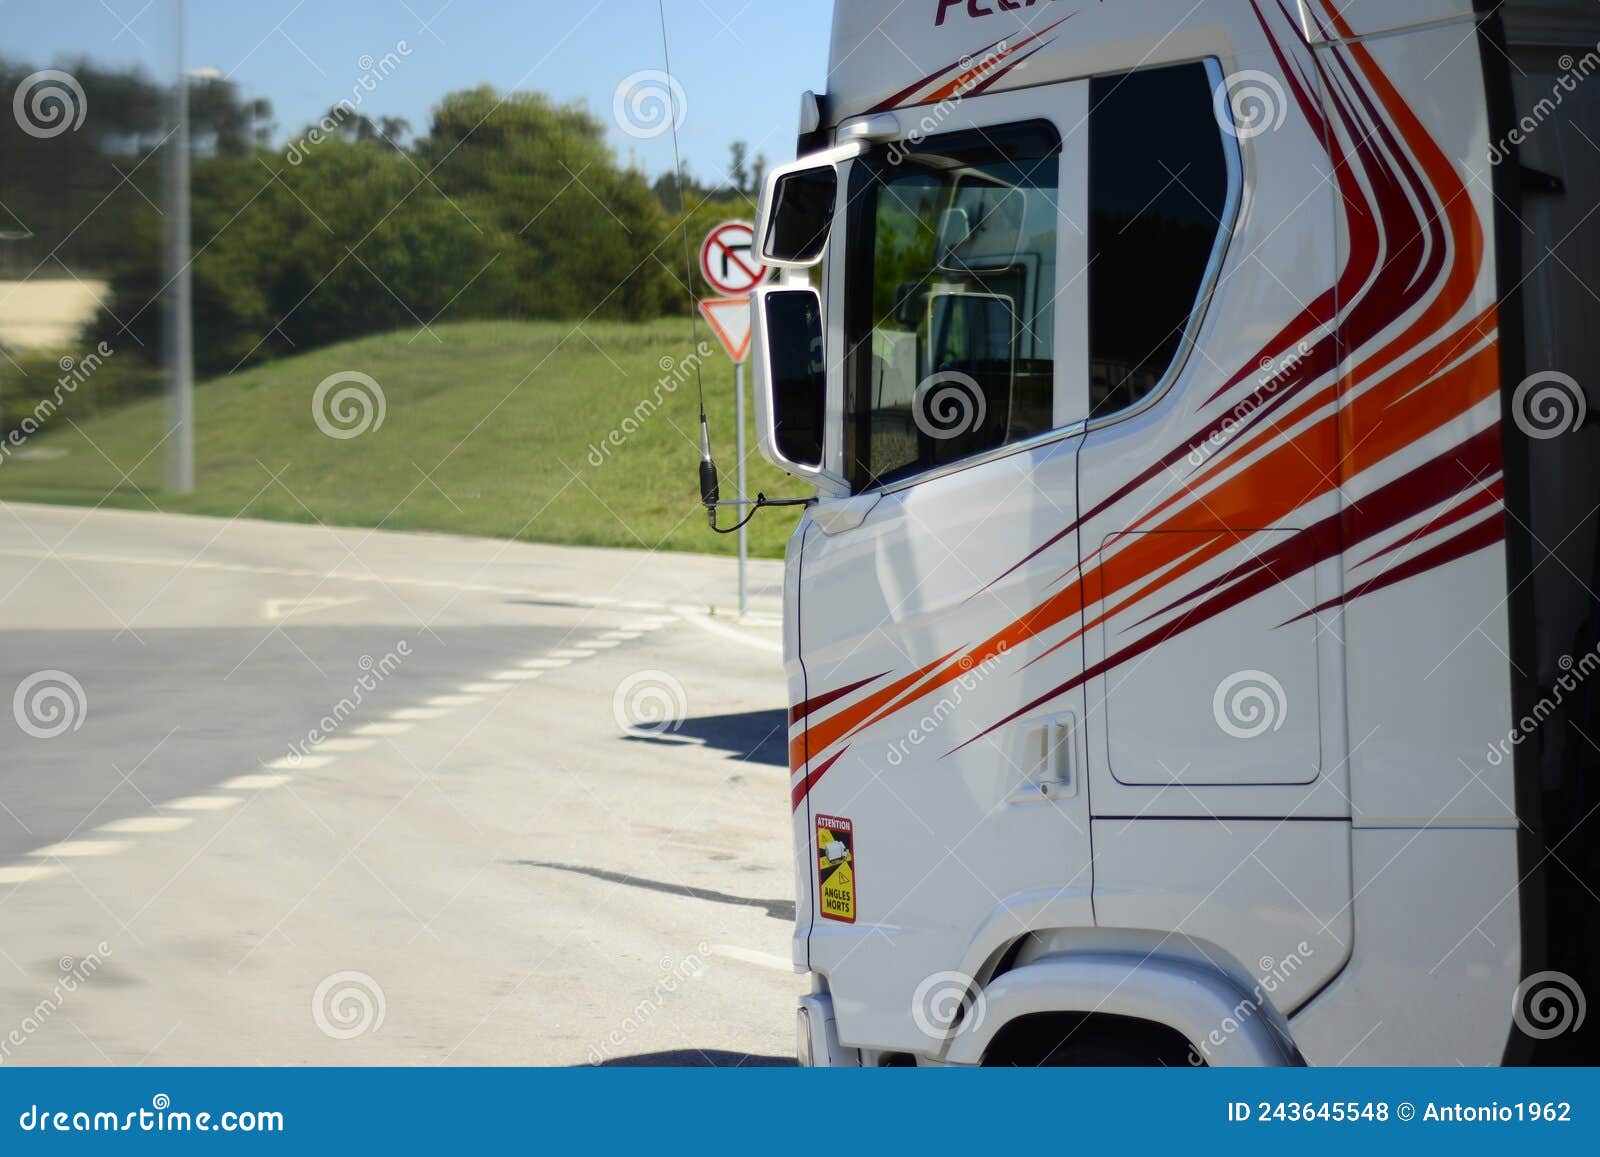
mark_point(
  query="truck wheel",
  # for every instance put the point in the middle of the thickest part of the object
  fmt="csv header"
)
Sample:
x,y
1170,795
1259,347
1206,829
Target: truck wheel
x,y
1070,1041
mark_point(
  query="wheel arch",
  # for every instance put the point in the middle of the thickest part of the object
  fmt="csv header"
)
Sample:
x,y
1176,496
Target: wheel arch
x,y
1223,1022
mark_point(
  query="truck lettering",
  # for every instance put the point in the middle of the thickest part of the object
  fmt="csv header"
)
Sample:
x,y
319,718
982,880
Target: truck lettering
x,y
976,9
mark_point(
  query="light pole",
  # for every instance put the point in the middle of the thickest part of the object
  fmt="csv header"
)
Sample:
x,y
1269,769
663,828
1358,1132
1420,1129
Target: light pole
x,y
180,304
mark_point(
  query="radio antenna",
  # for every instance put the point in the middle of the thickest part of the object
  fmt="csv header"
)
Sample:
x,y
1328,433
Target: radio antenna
x,y
709,490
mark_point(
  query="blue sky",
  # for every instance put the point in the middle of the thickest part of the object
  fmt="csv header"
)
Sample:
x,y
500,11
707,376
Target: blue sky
x,y
742,63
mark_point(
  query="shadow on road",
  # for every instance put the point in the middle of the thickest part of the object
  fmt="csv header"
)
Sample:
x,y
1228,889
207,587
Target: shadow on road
x,y
777,909
754,736
697,1059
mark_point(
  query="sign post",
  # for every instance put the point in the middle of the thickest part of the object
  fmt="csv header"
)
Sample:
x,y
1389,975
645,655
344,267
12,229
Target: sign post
x,y
729,265
744,537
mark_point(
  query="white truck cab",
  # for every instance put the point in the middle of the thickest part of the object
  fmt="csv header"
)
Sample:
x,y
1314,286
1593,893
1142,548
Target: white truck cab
x,y
1189,650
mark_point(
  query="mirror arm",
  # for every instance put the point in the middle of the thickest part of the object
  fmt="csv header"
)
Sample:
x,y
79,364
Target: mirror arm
x,y
761,502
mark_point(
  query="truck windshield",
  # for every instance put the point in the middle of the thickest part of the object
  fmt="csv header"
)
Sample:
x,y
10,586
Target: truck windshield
x,y
950,298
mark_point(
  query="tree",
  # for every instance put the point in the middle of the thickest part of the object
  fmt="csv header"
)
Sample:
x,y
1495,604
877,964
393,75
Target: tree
x,y
291,257
71,196
343,121
509,206
745,174
674,192
589,233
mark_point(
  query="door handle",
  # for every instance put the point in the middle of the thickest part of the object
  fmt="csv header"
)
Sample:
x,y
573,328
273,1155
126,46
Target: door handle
x,y
1050,755
1058,779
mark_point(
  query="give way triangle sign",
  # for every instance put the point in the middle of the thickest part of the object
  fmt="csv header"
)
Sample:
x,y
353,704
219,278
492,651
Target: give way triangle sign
x,y
729,319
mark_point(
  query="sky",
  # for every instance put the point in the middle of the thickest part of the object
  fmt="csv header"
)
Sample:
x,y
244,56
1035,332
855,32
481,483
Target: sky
x,y
741,64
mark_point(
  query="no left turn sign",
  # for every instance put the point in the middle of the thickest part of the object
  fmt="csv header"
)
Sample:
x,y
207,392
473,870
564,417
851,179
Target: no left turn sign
x,y
728,260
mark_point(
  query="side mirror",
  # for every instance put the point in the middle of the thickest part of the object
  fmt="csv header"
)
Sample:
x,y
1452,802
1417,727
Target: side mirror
x,y
797,206
796,234
982,230
791,380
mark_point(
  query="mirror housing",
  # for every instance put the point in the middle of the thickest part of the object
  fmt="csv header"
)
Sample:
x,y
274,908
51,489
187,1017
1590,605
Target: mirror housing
x,y
796,233
797,206
791,382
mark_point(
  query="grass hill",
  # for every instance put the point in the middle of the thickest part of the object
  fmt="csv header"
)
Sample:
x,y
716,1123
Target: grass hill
x,y
534,431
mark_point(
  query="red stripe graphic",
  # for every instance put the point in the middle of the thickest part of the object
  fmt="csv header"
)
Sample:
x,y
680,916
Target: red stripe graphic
x,y
974,72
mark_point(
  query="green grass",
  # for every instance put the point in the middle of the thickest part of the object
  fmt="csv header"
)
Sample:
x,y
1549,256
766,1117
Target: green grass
x,y
496,428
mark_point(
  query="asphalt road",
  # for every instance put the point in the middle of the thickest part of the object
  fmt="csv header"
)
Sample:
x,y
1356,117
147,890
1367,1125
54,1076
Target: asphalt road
x,y
290,795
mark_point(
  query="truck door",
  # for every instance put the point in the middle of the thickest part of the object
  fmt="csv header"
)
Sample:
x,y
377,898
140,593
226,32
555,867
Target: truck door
x,y
946,822
1209,541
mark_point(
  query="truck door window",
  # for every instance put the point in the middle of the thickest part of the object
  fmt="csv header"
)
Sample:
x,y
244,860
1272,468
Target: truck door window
x,y
1158,185
951,298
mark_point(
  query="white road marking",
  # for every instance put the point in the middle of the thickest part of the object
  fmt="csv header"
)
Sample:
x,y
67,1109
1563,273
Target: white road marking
x,y
623,636
751,956
545,664
203,803
80,849
418,714
276,610
572,654
144,825
381,729
599,644
515,676
484,688
454,700
345,745
28,873
255,782
722,630
298,763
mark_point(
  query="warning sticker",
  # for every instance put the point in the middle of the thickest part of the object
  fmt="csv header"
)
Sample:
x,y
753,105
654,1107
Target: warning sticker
x,y
836,869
